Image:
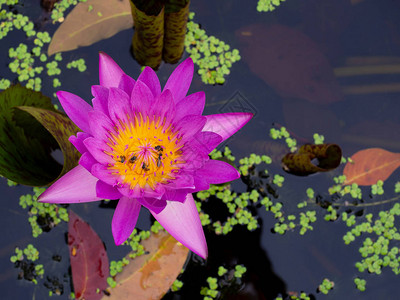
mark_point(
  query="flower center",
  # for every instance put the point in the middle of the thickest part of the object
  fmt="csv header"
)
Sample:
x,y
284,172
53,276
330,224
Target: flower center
x,y
145,152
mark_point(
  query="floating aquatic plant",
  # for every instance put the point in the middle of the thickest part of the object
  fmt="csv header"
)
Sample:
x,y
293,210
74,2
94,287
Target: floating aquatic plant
x,y
212,55
24,259
28,61
42,216
326,286
268,5
219,286
57,14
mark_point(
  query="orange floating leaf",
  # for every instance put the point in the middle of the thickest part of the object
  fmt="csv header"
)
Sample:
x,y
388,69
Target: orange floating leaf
x,y
89,261
370,165
150,276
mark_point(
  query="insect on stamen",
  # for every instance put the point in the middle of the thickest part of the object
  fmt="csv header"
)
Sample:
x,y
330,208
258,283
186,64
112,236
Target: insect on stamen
x,y
145,167
159,160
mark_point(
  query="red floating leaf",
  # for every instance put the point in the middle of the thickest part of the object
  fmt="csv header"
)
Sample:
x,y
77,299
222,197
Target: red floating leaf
x,y
370,165
89,261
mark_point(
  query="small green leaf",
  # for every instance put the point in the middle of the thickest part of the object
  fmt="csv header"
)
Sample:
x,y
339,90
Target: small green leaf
x,y
25,146
61,128
30,130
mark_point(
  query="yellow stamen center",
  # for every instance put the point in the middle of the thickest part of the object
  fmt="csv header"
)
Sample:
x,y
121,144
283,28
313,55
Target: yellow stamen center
x,y
145,152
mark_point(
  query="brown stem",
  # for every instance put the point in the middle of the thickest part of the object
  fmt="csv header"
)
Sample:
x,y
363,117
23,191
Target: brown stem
x,y
175,22
147,42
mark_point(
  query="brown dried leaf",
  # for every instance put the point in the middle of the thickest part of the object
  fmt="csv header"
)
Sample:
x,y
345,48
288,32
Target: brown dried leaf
x,y
300,163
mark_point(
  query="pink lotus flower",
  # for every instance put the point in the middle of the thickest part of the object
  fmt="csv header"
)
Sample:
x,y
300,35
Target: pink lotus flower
x,y
146,147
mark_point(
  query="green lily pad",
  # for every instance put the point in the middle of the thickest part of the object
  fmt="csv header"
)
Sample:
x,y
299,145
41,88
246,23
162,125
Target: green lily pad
x,y
61,128
311,159
25,145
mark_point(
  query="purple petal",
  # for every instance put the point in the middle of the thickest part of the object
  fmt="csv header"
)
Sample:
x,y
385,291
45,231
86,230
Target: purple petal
x,y
142,98
181,181
205,141
78,185
152,204
100,100
109,72
87,161
194,159
100,125
124,219
182,221
157,192
226,124
179,81
191,105
149,77
106,191
118,106
77,141
76,108
164,107
190,125
200,184
96,148
104,174
126,191
176,195
217,171
126,84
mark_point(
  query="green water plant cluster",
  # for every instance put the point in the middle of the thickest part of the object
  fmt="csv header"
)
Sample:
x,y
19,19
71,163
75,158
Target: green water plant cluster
x,y
10,20
360,283
28,61
326,286
77,64
213,56
236,205
342,190
239,205
176,285
57,14
303,219
282,133
380,245
268,5
42,216
24,259
217,286
296,296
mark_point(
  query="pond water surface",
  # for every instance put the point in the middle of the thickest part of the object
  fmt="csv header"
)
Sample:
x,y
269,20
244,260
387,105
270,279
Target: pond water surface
x,y
301,67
